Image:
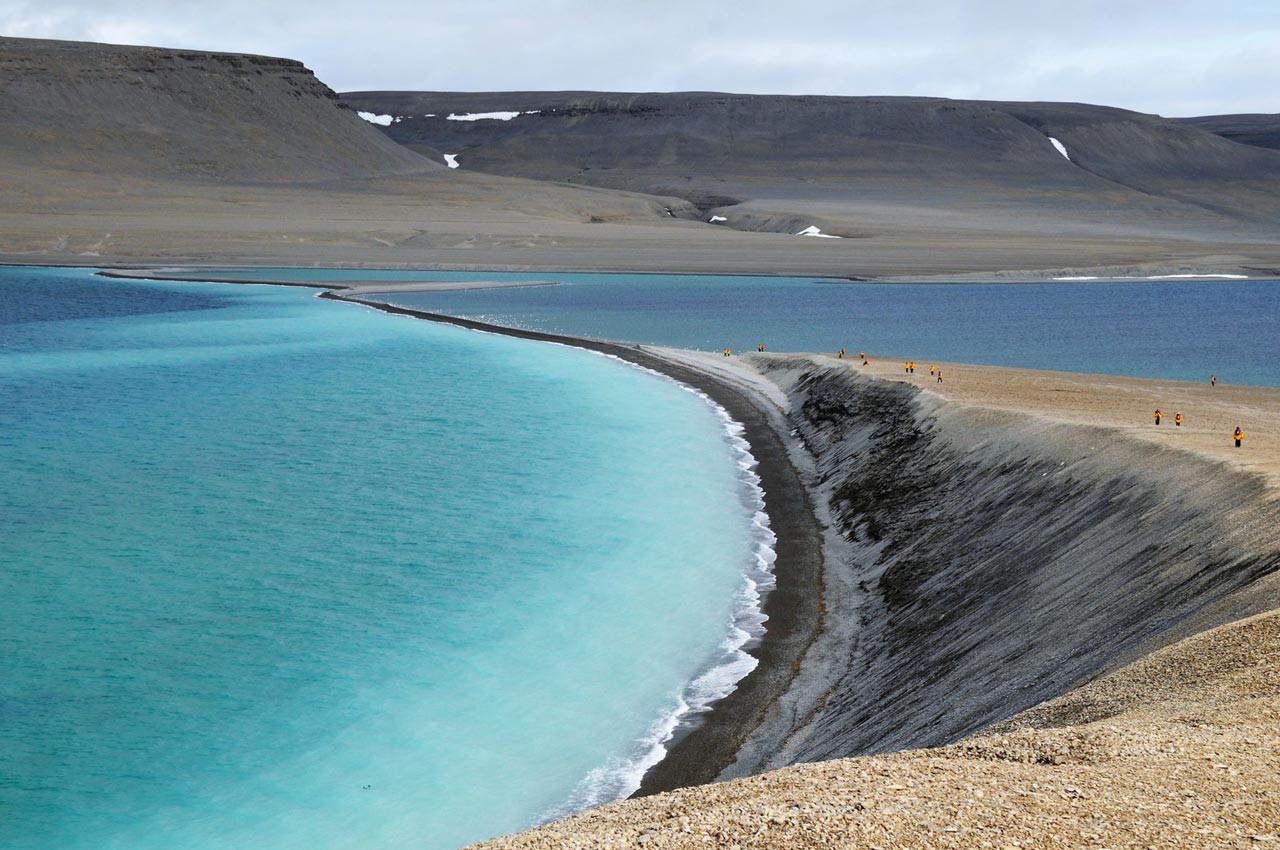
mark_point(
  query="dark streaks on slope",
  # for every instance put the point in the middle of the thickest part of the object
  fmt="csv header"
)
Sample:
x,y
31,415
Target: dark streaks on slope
x,y
1000,561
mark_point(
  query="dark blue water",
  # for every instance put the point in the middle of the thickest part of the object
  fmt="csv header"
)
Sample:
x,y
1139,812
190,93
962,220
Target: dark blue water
x,y
1183,330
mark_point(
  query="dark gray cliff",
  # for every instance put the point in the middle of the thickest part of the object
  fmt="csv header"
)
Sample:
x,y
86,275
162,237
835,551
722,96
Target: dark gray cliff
x,y
982,562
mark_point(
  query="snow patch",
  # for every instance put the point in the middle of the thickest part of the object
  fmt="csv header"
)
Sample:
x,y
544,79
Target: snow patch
x,y
716,218
813,230
451,160
1062,149
1198,276
489,116
1161,277
380,120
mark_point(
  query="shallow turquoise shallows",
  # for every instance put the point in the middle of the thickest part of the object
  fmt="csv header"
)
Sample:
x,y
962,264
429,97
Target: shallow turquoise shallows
x,y
284,573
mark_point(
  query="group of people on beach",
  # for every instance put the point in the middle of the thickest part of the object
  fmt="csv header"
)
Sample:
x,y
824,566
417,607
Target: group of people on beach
x,y
1158,416
910,368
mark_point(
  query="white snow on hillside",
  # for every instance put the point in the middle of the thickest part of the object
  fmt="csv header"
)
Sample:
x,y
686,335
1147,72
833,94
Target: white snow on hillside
x,y
1062,149
1193,276
488,116
813,230
380,120
451,160
1161,277
716,218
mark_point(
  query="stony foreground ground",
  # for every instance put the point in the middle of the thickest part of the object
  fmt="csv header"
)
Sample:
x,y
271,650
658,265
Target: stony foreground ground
x,y
1180,749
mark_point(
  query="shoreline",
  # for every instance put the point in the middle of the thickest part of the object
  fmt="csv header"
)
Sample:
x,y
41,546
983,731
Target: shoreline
x,y
119,268
793,607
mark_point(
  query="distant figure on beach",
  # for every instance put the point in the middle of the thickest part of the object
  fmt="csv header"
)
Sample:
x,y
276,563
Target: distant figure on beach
x,y
1158,415
864,361
1239,435
862,354
932,370
840,354
906,367
760,348
939,376
727,352
1177,420
1213,380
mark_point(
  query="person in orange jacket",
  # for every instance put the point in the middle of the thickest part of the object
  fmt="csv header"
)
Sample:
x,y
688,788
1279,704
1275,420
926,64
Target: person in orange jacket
x,y
1158,415
1238,435
1177,420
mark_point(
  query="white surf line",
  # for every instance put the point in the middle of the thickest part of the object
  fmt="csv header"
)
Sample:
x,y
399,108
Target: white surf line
x,y
1078,277
489,116
451,160
813,230
1061,148
380,120
618,779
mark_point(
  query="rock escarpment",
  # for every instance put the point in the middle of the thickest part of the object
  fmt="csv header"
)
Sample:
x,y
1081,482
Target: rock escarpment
x,y
986,561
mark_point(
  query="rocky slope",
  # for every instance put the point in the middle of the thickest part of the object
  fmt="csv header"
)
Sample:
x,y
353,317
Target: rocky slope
x,y
147,154
992,560
167,113
852,163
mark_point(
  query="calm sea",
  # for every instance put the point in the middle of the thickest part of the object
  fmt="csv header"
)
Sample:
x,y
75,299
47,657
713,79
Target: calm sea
x,y
285,573
1184,330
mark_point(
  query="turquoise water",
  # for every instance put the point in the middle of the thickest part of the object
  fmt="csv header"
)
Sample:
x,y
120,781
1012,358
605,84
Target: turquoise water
x,y
1184,330
285,573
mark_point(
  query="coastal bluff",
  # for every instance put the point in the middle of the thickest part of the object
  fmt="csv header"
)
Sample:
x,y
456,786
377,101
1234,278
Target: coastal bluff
x,y
1009,591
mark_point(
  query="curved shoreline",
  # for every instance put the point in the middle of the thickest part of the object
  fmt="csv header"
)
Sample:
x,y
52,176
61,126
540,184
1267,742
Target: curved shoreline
x,y
794,606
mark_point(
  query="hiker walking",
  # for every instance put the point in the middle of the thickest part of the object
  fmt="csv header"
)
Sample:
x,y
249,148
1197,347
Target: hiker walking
x,y
939,376
1158,415
1177,420
1238,435
1213,380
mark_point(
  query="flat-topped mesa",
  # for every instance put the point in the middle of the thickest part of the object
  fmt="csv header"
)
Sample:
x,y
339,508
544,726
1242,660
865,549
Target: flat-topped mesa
x,y
158,113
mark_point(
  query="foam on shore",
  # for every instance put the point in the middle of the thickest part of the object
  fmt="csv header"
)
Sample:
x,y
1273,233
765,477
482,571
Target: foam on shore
x,y
620,778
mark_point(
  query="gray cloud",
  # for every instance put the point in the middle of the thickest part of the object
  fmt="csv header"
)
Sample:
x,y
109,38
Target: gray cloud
x,y
1175,57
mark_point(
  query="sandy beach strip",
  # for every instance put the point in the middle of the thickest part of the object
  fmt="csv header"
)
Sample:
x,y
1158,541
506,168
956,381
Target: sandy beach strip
x,y
1210,413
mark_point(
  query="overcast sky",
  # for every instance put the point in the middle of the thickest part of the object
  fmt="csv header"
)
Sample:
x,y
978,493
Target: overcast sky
x,y
1174,57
